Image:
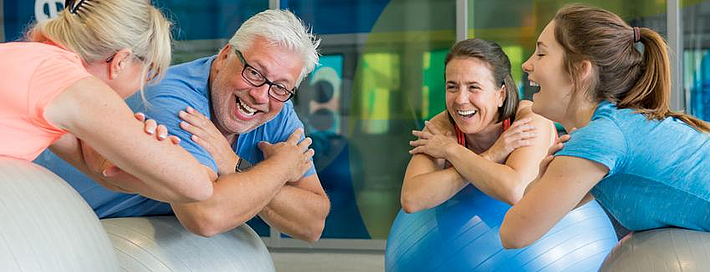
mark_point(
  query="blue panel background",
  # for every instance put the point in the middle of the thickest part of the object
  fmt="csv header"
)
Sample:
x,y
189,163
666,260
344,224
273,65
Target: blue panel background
x,y
194,20
338,16
216,19
700,92
18,15
209,19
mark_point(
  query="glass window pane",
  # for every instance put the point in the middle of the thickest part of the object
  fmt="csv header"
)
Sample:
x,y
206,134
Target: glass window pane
x,y
515,24
695,16
391,78
201,28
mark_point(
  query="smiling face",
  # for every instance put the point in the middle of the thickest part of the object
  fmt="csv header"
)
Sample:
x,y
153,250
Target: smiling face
x,y
545,68
472,96
238,106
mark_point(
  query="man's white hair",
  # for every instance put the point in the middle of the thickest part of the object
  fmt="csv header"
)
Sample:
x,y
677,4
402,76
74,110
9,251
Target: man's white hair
x,y
283,28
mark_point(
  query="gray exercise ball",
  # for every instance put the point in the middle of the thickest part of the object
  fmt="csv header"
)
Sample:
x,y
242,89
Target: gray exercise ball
x,y
46,225
161,244
667,249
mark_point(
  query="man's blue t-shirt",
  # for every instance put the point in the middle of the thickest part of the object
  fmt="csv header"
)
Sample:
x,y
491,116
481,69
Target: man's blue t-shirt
x,y
658,170
184,85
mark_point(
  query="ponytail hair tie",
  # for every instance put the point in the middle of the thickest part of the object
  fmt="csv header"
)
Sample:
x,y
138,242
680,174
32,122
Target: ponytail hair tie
x,y
637,35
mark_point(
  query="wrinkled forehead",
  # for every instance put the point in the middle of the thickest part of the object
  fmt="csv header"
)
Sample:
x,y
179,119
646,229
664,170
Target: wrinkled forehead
x,y
469,69
276,62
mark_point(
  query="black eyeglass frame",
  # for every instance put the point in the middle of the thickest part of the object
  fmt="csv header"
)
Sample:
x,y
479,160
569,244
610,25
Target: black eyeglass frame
x,y
265,80
109,59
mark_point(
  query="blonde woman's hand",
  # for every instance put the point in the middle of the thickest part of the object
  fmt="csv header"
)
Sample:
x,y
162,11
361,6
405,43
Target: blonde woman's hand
x,y
206,134
432,141
151,127
102,167
520,134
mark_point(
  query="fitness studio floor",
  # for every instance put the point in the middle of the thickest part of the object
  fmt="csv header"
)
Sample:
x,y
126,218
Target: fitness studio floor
x,y
327,261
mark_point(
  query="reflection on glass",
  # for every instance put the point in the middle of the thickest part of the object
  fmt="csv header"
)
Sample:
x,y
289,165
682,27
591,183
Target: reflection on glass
x,y
380,76
433,82
203,27
696,56
388,100
515,24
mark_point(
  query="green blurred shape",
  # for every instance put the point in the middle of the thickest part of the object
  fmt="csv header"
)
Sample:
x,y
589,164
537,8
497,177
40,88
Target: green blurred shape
x,y
434,83
380,75
387,98
515,55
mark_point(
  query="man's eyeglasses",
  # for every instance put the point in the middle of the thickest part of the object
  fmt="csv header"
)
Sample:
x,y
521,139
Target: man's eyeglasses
x,y
277,91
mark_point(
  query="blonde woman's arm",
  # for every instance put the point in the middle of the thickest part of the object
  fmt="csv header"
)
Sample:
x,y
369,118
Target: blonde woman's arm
x,y
69,148
94,113
98,168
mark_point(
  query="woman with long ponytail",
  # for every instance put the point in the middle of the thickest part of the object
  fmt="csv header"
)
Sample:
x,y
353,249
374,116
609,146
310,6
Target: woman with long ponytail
x,y
63,88
609,85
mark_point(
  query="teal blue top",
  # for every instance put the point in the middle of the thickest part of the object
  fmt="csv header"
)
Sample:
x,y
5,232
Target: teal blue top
x,y
659,171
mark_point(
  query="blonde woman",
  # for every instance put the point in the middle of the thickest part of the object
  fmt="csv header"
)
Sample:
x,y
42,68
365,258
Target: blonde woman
x,y
64,87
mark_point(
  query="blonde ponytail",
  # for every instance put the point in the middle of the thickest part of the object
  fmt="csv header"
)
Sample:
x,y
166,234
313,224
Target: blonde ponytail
x,y
99,29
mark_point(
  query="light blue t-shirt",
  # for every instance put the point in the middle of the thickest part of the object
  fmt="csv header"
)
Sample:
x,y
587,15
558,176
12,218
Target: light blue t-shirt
x,y
659,171
184,85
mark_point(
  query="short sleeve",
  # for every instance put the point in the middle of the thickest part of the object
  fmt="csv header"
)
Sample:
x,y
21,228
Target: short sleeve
x,y
51,78
600,141
164,103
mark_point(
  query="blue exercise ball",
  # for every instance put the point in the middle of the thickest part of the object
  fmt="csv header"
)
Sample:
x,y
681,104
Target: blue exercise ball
x,y
462,234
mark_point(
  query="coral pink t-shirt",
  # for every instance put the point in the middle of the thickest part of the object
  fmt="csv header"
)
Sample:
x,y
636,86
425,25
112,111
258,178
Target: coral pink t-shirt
x,y
33,74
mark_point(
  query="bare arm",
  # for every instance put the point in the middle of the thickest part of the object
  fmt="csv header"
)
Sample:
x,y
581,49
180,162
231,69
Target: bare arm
x,y
557,146
299,209
69,148
506,181
561,188
92,164
92,112
240,196
426,185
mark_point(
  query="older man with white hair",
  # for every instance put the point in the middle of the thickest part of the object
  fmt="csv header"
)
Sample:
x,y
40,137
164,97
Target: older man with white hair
x,y
232,112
